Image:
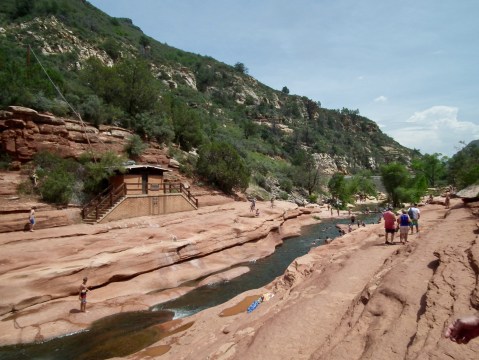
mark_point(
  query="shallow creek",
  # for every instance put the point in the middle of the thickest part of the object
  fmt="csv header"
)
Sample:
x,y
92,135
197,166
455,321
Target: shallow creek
x,y
126,333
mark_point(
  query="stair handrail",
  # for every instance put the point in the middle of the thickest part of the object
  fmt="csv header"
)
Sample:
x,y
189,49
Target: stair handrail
x,y
188,194
106,199
178,187
93,202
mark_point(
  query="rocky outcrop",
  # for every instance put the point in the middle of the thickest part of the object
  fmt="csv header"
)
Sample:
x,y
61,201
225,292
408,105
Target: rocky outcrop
x,y
172,76
24,132
470,193
53,37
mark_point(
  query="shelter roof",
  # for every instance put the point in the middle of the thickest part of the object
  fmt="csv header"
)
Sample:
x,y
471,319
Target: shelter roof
x,y
146,166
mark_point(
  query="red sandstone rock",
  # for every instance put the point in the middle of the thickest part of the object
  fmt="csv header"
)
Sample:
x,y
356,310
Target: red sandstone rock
x,y
24,132
48,119
354,299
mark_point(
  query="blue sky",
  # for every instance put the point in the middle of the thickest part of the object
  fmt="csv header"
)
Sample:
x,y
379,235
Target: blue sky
x,y
409,65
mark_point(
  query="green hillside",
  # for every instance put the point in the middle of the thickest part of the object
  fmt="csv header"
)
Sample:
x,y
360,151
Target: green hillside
x,y
109,71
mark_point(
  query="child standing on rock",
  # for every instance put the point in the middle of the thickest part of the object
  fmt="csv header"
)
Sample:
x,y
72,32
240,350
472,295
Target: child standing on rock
x,y
82,294
31,218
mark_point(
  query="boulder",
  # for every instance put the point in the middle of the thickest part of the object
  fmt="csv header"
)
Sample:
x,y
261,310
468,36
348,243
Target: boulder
x,y
174,163
470,192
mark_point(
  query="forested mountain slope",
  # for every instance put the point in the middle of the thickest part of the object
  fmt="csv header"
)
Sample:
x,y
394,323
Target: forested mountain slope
x,y
109,71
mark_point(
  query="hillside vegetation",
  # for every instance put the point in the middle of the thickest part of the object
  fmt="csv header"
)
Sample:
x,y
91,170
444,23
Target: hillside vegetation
x,y
110,72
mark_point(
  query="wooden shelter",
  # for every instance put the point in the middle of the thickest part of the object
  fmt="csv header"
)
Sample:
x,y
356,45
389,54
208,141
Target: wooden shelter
x,y
140,191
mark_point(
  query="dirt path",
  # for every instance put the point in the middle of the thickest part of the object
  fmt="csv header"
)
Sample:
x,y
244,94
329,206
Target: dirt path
x,y
357,299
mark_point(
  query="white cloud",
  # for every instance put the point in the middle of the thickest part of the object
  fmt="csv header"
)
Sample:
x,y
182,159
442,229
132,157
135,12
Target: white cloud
x,y
360,77
381,98
436,129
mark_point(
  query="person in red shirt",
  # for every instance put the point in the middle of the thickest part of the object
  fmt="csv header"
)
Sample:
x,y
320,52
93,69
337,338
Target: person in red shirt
x,y
389,225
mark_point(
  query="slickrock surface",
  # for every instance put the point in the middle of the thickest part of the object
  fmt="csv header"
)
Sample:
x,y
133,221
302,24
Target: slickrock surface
x,y
131,264
353,299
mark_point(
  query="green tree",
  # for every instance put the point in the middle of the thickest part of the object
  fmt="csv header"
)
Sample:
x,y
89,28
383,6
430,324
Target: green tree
x,y
312,107
91,109
154,126
432,166
362,183
138,92
308,172
145,41
249,127
395,178
463,167
285,90
96,172
25,84
240,67
112,48
22,8
400,185
187,123
220,164
129,85
339,189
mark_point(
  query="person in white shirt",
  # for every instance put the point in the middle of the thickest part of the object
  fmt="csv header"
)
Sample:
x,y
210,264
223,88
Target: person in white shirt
x,y
414,213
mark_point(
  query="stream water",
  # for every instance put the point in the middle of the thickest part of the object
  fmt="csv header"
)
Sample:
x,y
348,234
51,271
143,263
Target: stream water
x,y
125,333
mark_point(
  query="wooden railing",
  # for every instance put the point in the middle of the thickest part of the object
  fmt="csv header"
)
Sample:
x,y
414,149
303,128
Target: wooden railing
x,y
178,187
110,196
103,201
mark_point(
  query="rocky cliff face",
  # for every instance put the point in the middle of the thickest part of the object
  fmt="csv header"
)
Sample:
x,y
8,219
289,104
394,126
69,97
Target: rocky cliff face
x,y
24,132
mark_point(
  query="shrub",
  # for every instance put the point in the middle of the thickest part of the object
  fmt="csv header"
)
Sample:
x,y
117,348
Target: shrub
x,y
313,198
283,195
90,109
221,165
57,186
112,48
259,179
286,184
135,146
56,177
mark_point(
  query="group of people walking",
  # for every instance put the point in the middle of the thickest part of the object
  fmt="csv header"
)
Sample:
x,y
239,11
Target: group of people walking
x,y
404,223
